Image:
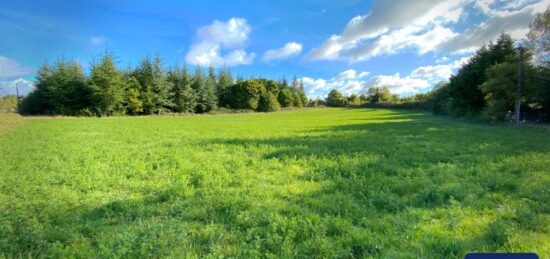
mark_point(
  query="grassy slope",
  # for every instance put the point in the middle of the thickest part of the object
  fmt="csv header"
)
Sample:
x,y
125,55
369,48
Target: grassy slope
x,y
9,121
327,182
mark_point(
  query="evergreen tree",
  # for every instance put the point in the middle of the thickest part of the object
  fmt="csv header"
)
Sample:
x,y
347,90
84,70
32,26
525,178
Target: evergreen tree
x,y
39,101
108,86
145,75
184,98
467,98
68,91
161,89
134,105
223,87
204,88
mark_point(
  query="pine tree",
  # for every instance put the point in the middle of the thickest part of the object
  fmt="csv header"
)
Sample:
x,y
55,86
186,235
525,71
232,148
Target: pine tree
x,y
183,95
144,74
68,89
161,88
108,85
134,105
223,87
39,100
205,92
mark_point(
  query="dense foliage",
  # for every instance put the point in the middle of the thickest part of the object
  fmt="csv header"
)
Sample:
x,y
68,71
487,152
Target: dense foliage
x,y
486,86
64,89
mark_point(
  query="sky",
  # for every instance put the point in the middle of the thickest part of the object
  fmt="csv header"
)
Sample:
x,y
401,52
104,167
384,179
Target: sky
x,y
348,45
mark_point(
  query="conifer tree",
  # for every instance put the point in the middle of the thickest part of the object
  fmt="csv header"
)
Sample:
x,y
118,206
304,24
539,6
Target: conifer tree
x,y
108,85
134,105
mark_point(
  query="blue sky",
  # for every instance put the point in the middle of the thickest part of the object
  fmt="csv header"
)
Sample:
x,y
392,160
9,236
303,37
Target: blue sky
x,y
350,45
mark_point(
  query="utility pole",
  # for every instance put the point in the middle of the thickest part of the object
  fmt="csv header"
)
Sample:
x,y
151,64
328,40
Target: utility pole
x,y
17,97
518,92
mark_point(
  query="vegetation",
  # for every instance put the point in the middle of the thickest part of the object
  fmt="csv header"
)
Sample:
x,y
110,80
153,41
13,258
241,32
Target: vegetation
x,y
306,183
64,89
486,86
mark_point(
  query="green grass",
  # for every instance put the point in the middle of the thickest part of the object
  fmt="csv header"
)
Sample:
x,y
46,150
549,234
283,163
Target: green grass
x,y
309,183
9,121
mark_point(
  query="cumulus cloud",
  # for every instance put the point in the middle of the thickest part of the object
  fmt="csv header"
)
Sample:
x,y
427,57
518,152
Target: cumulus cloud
x,y
289,50
350,81
10,69
399,23
221,43
514,22
424,26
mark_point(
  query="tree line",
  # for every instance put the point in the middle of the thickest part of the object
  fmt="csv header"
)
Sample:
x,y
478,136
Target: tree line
x,y
62,88
486,87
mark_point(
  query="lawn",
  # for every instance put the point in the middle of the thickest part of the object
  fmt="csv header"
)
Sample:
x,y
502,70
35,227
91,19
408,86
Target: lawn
x,y
309,183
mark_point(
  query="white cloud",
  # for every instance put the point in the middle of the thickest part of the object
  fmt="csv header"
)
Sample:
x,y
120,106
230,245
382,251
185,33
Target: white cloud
x,y
386,30
515,22
425,26
438,72
221,43
97,41
349,81
419,80
10,87
289,50
10,69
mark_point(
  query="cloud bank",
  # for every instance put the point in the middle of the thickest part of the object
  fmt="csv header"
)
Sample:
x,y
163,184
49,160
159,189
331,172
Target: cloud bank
x,y
425,26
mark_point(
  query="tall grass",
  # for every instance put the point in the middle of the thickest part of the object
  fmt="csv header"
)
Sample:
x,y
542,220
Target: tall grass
x,y
308,183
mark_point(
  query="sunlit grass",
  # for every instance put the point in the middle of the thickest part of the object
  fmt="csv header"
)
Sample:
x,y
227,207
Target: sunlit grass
x,y
317,182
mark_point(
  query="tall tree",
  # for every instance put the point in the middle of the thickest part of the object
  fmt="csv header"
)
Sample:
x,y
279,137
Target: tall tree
x,y
297,100
161,88
69,92
134,105
268,102
39,101
380,95
500,89
467,98
144,73
223,86
108,85
205,91
336,99
246,94
285,97
184,98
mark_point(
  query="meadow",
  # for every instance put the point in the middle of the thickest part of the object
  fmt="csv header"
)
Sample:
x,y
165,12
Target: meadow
x,y
327,182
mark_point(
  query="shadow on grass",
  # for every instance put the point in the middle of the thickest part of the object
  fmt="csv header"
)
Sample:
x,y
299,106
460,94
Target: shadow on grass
x,y
396,188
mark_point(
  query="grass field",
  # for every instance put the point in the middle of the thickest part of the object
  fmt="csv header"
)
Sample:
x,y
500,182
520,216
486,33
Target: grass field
x,y
310,183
